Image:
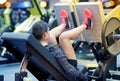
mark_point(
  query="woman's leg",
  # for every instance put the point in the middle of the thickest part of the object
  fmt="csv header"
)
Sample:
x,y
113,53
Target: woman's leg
x,y
65,38
55,32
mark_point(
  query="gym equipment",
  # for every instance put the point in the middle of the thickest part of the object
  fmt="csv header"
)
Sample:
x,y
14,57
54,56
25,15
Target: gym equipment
x,y
105,57
25,46
72,14
7,57
1,77
12,16
111,36
22,14
20,19
40,61
20,76
93,35
35,15
22,45
113,13
6,20
34,66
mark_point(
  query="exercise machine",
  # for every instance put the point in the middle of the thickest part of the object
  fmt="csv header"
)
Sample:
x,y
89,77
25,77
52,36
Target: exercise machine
x,y
111,42
6,57
104,59
19,17
35,57
87,36
25,46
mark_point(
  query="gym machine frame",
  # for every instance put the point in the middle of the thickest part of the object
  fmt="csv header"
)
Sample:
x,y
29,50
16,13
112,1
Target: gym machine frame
x,y
105,56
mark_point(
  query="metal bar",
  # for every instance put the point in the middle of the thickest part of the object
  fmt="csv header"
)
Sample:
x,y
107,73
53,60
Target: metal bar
x,y
94,52
24,62
37,5
72,14
116,36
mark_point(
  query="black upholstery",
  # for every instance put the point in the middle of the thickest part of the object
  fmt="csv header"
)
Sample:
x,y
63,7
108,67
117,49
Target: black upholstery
x,y
41,62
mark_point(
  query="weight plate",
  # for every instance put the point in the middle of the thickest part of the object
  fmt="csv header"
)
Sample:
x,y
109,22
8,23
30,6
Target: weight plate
x,y
111,27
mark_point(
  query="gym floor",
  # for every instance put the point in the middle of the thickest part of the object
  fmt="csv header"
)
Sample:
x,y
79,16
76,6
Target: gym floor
x,y
9,70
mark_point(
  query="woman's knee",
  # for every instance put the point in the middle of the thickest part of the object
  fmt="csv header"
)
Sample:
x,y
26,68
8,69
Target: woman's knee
x,y
63,37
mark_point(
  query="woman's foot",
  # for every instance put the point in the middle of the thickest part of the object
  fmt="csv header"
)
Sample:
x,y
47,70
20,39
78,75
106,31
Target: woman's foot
x,y
64,17
88,17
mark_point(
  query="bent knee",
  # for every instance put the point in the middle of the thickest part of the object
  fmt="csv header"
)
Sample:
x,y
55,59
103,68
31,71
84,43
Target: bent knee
x,y
63,37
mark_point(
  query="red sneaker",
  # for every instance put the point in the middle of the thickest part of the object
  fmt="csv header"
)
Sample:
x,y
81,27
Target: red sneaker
x,y
64,17
88,16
